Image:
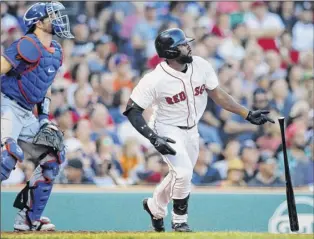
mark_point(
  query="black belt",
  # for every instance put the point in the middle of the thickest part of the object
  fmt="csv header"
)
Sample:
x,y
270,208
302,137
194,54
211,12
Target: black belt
x,y
185,127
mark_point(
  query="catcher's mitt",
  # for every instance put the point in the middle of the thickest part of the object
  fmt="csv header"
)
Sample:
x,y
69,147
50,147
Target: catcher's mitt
x,y
50,135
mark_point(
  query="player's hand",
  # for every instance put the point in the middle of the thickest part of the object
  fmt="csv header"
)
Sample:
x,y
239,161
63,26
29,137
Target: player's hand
x,y
162,146
259,117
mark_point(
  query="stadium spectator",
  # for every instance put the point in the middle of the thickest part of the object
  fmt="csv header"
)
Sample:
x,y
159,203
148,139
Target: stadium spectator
x,y
307,63
249,156
119,105
63,118
103,51
287,14
302,31
300,114
231,151
211,43
235,174
204,173
82,132
106,92
295,82
121,72
81,31
288,54
260,99
264,25
222,26
282,100
239,16
74,173
131,159
208,127
79,74
299,154
273,61
101,122
175,10
108,170
233,47
152,171
143,36
267,174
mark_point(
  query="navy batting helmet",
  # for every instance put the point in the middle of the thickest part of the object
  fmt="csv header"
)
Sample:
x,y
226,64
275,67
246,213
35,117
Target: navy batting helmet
x,y
167,41
60,23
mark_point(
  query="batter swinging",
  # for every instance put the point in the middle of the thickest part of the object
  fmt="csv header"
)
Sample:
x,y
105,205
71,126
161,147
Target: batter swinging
x,y
177,90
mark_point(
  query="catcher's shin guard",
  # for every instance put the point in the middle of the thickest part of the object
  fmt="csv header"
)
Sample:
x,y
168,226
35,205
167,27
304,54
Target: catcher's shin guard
x,y
34,197
9,156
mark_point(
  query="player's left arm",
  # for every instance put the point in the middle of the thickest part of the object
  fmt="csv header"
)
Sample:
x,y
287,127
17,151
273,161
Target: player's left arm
x,y
227,102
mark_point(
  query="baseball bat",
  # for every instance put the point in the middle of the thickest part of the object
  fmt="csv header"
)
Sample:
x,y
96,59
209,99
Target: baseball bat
x,y
292,210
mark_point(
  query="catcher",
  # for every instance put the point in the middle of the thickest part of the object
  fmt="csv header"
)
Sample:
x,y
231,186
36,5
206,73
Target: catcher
x,y
28,68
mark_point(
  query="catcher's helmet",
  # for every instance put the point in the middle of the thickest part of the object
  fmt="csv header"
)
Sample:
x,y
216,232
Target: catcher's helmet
x,y
38,11
167,41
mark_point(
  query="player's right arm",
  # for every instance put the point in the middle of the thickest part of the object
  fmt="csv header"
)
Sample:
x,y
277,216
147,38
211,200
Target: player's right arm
x,y
5,65
142,96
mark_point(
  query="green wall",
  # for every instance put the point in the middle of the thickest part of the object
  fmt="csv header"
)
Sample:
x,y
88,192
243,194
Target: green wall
x,y
99,211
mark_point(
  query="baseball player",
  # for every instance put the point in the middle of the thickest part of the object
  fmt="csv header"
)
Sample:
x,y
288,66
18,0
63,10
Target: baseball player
x,y
28,68
177,89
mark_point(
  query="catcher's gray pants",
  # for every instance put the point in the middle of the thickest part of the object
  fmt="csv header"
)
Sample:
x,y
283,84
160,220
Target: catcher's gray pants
x,y
17,122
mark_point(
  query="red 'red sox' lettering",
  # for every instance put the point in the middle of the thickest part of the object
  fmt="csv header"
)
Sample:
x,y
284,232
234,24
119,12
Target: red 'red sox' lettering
x,y
199,90
182,96
176,98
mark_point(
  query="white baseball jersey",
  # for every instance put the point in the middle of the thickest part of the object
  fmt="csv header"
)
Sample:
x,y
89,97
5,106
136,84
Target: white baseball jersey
x,y
178,98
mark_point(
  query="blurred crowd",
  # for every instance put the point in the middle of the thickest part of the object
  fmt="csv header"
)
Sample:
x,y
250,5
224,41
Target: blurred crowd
x,y
262,53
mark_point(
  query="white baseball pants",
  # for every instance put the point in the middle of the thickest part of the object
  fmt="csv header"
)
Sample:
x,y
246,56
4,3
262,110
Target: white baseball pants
x,y
177,184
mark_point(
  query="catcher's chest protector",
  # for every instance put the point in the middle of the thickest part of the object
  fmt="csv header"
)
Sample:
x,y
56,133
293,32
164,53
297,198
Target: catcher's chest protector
x,y
28,85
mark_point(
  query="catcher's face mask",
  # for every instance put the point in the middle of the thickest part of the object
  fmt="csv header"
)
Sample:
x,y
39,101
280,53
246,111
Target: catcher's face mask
x,y
60,23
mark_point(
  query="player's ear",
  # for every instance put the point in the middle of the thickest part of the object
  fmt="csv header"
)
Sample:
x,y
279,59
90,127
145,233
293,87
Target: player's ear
x,y
40,23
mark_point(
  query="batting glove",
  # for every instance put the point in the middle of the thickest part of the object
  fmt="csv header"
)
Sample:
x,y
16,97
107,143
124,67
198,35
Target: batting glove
x,y
259,117
162,146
